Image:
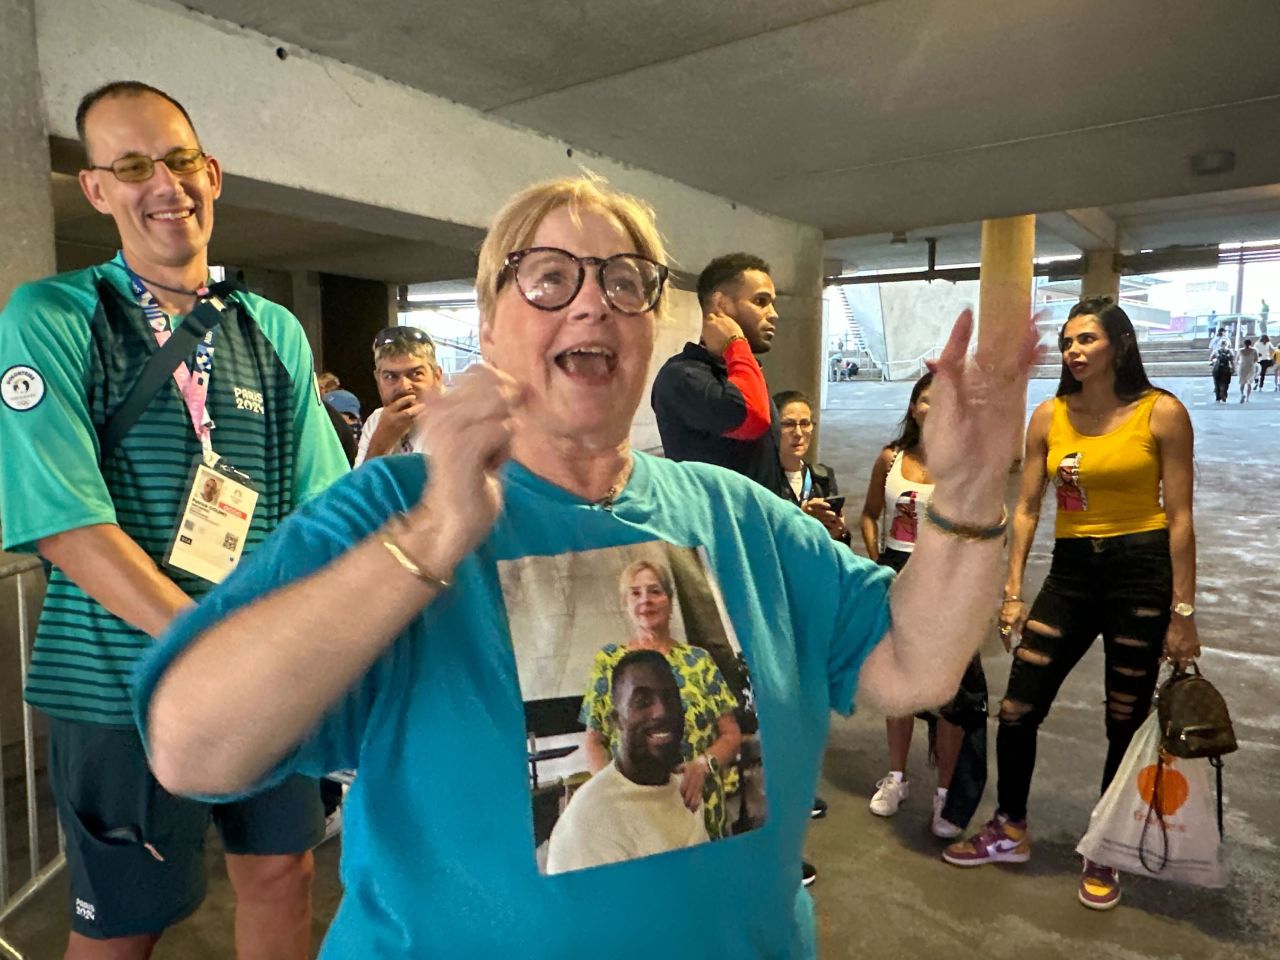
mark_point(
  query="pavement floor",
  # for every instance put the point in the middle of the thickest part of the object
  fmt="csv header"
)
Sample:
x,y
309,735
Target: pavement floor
x,y
883,892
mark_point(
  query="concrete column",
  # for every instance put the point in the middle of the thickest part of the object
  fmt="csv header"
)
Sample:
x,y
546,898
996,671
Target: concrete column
x,y
797,359
1004,291
26,243
1100,278
352,311
307,308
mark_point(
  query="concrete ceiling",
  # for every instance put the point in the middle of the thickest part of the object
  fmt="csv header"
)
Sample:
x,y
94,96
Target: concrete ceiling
x,y
862,117
1247,214
253,228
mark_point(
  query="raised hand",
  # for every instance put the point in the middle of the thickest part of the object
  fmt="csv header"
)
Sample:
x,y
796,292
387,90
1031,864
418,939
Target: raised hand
x,y
976,411
468,431
717,330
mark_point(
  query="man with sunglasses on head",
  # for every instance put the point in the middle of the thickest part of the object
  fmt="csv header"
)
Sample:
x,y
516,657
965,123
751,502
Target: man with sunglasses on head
x,y
407,374
106,452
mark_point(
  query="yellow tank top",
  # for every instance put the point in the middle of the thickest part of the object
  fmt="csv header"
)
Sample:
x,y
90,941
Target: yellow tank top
x,y
1107,485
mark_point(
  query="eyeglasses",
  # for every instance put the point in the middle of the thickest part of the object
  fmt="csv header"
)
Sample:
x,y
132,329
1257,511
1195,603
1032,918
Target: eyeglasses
x,y
183,161
549,278
402,335
796,424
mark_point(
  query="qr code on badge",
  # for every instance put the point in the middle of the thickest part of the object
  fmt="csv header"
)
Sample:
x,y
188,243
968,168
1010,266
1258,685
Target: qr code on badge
x,y
230,541
188,525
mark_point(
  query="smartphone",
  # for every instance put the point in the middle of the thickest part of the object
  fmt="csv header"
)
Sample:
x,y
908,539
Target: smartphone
x,y
836,504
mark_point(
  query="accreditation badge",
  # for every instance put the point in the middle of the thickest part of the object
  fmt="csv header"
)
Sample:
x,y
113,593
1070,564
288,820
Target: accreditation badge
x,y
215,521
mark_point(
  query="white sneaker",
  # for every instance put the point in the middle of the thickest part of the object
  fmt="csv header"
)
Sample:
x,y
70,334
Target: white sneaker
x,y
942,828
890,792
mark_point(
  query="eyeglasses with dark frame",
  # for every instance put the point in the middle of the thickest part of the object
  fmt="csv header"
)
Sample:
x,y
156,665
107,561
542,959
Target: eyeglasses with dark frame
x,y
800,425
545,277
182,161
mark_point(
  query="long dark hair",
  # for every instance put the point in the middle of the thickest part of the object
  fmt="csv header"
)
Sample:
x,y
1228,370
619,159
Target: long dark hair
x,y
1126,361
909,430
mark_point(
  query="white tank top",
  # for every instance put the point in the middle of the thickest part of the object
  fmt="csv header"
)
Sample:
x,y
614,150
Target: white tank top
x,y
904,502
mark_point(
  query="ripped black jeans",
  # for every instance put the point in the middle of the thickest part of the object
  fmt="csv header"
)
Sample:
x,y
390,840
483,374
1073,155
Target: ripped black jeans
x,y
1120,587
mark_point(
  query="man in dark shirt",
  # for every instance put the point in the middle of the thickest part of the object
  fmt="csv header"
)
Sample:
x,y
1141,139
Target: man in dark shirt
x,y
711,400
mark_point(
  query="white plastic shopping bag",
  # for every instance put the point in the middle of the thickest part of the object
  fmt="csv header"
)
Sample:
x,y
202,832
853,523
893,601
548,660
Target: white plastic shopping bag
x,y
1125,830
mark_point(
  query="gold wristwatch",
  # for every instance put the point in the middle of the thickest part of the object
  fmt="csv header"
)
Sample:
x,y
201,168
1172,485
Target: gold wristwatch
x,y
1183,609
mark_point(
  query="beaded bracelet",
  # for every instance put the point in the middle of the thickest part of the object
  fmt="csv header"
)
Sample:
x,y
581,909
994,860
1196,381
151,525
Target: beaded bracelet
x,y
966,531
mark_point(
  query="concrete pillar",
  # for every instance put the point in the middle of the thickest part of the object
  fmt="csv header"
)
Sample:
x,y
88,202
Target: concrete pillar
x,y
1100,278
351,312
1004,292
26,243
797,359
307,308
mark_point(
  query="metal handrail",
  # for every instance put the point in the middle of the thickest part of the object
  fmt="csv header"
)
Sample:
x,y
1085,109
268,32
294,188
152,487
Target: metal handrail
x,y
918,365
17,566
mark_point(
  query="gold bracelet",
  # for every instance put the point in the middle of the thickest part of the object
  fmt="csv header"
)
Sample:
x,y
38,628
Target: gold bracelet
x,y
389,541
966,531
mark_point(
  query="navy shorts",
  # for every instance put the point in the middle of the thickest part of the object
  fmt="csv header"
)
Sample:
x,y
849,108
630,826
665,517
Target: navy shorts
x,y
135,852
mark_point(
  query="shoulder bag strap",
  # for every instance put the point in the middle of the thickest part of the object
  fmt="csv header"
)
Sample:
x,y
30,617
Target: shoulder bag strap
x,y
159,368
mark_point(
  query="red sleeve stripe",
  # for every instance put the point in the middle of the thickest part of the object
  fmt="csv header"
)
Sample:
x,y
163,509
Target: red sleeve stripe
x,y
746,375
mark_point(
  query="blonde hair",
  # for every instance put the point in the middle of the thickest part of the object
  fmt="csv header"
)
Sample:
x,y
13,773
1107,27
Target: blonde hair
x,y
516,223
660,572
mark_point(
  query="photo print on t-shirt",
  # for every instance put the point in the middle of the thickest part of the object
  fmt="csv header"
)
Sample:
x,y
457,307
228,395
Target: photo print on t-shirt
x,y
640,721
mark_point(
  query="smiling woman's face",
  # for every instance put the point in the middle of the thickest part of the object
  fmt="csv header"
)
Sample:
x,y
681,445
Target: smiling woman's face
x,y
647,602
585,365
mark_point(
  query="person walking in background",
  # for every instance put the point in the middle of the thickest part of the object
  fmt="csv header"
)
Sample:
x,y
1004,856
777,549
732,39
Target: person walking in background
x,y
1248,363
900,487
1266,359
1264,314
1120,454
1222,364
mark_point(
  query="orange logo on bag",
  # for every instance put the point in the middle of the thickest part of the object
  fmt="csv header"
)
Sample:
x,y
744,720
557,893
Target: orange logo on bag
x,y
1174,789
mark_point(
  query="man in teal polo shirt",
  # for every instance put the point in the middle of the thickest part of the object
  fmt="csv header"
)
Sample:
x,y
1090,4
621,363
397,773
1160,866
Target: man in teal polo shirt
x,y
240,418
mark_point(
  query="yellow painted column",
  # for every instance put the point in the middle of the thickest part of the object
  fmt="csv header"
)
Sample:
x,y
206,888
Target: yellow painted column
x,y
1004,291
1004,285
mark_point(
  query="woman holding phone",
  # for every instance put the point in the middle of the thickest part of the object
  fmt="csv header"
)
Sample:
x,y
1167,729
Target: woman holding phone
x,y
900,487
814,488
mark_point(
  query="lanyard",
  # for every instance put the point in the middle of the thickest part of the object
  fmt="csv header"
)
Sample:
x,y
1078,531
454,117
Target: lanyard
x,y
192,384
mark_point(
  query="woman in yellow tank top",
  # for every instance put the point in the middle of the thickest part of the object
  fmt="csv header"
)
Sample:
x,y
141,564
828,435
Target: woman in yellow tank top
x,y
1119,454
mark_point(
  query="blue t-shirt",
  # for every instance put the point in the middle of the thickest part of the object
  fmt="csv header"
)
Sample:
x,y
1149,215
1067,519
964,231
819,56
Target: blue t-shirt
x,y
437,854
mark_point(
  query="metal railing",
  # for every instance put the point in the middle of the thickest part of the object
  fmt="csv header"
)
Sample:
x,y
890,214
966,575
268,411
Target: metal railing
x,y
892,370
39,872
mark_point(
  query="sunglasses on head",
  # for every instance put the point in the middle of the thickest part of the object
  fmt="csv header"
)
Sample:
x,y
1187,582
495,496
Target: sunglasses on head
x,y
402,335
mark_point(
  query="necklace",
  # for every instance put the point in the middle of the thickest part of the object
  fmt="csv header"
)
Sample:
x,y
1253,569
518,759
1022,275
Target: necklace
x,y
608,499
201,291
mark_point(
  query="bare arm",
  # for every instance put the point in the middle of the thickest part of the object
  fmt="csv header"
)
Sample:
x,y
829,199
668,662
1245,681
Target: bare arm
x,y
1171,427
247,689
728,741
946,596
1025,520
873,506
108,565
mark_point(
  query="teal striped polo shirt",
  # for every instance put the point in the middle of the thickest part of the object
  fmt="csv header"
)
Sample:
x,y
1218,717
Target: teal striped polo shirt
x,y
71,347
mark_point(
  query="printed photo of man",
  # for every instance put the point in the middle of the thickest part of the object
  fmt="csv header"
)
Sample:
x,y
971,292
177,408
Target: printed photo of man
x,y
633,807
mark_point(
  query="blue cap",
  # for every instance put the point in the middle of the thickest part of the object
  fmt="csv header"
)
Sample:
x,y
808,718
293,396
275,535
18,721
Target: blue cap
x,y
344,401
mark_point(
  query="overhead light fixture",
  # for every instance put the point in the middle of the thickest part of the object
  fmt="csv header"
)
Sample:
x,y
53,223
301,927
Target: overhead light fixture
x,y
899,236
1208,162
